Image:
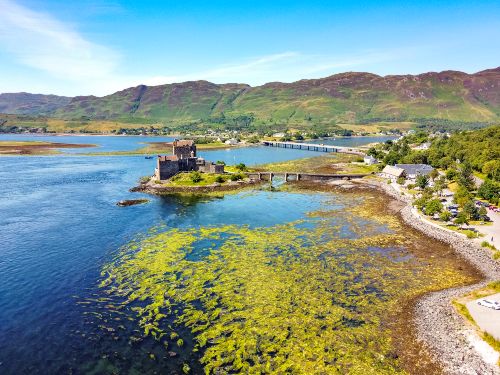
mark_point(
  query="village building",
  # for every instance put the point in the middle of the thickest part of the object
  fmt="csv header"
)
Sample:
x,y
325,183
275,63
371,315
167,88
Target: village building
x,y
183,160
231,142
370,160
392,172
423,146
414,170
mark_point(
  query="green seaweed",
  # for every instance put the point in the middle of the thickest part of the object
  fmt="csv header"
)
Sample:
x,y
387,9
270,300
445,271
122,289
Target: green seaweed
x,y
291,298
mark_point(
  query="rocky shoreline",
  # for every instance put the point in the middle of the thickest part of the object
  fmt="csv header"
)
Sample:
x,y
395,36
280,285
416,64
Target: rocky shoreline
x,y
438,325
150,187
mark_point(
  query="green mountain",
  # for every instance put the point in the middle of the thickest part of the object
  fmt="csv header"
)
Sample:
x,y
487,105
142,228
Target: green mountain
x,y
23,103
341,98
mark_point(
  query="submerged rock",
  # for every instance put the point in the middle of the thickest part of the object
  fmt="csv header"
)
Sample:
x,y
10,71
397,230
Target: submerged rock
x,y
131,202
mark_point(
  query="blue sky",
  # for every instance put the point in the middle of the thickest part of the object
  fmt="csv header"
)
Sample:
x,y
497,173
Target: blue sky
x,y
98,47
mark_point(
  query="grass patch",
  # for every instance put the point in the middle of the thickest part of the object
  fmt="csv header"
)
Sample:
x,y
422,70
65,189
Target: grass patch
x,y
201,179
328,164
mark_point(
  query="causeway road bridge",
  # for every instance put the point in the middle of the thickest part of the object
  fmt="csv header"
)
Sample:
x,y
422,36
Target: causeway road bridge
x,y
314,147
299,176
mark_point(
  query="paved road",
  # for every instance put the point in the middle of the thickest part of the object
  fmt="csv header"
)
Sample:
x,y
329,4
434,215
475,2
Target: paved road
x,y
487,319
491,231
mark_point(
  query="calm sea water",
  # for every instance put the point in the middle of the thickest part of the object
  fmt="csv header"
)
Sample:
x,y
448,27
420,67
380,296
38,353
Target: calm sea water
x,y
59,224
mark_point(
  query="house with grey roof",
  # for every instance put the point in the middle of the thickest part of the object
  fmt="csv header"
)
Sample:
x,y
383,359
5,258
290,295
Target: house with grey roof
x,y
414,170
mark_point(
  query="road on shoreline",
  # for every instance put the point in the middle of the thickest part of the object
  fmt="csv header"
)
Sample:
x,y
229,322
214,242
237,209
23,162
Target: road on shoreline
x,y
487,319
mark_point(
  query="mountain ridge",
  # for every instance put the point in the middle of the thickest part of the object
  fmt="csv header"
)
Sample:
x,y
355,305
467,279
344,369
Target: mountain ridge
x,y
344,97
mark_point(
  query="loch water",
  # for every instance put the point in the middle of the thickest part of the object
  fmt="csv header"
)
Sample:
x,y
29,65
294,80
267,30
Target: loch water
x,y
59,224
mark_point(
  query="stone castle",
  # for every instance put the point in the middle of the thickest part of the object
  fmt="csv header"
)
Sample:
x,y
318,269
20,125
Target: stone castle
x,y
183,160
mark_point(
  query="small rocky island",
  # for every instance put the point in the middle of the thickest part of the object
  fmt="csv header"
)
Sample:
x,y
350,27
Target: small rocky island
x,y
184,172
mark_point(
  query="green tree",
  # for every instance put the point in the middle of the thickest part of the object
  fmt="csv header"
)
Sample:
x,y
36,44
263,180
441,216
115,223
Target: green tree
x,y
451,174
433,206
462,196
391,158
489,190
445,216
461,219
445,162
492,169
422,181
471,210
466,177
440,185
298,137
482,212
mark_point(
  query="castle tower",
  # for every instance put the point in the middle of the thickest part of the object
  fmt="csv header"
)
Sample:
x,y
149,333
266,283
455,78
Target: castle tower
x,y
184,149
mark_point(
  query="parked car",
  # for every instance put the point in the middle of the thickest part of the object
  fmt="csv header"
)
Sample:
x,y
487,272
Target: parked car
x,y
489,303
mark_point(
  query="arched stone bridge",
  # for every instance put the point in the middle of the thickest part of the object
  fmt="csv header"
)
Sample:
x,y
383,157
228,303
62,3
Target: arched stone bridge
x,y
299,176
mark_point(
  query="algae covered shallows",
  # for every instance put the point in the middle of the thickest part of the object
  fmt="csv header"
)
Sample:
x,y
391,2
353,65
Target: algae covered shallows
x,y
307,296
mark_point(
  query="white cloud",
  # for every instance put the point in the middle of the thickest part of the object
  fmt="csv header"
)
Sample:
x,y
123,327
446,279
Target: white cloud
x,y
40,41
285,67
78,66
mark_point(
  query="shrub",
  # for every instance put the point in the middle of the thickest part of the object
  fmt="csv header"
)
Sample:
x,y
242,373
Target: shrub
x,y
236,177
241,167
195,176
445,215
451,174
401,180
470,234
492,247
219,179
221,162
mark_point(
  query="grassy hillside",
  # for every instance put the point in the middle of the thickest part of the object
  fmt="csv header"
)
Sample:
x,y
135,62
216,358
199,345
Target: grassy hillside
x,y
347,98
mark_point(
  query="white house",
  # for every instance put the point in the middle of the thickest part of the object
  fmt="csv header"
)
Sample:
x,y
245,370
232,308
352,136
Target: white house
x,y
423,146
369,160
231,142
